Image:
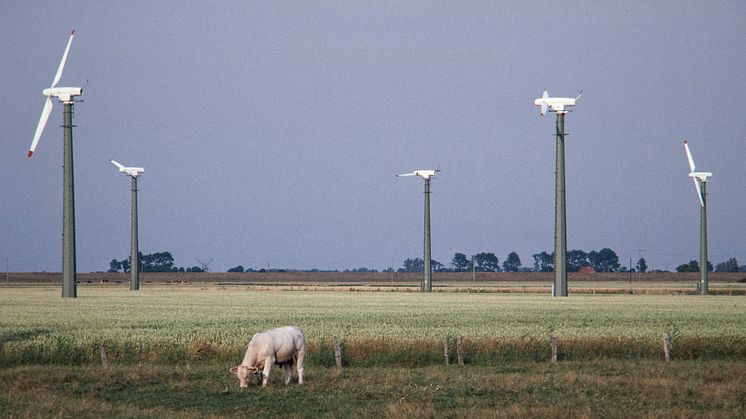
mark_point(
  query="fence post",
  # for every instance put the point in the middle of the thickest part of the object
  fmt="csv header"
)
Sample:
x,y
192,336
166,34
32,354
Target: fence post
x,y
666,346
460,350
104,355
445,350
553,338
337,352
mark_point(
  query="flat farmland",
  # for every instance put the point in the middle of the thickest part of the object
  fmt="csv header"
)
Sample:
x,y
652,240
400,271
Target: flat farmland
x,y
169,348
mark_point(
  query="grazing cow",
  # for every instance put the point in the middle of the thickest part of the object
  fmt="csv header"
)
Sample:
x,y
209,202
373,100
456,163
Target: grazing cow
x,y
282,346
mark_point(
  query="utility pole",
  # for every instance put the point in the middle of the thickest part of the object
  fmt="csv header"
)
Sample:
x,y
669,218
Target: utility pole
x,y
473,270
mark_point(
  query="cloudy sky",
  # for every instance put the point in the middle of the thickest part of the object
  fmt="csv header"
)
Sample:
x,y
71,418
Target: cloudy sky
x,y
271,131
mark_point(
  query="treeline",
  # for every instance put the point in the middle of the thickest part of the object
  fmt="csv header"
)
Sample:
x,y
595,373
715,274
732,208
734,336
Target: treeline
x,y
604,260
152,262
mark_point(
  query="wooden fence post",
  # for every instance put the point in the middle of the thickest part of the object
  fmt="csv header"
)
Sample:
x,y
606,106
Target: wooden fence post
x,y
337,352
553,338
460,350
104,355
666,346
445,350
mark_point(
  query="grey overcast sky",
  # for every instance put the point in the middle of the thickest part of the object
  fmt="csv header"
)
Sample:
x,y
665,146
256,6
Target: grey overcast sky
x,y
271,131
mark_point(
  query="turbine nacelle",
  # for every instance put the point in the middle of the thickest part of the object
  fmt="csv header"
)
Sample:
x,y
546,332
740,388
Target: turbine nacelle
x,y
425,174
64,94
131,171
701,176
555,104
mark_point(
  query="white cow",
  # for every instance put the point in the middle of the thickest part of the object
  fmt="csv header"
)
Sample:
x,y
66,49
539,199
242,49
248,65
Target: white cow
x,y
282,346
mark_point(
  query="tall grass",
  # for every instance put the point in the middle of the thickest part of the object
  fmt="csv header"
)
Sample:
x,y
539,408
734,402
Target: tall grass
x,y
407,329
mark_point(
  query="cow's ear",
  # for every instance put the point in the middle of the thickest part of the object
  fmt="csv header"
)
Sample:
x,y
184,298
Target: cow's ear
x,y
234,370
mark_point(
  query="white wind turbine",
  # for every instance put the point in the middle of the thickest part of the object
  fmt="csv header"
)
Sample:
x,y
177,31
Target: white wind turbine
x,y
559,105
133,172
66,95
427,284
700,178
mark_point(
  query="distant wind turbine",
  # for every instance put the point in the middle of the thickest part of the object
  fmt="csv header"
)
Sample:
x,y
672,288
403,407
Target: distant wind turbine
x,y
427,283
66,95
560,106
133,172
700,178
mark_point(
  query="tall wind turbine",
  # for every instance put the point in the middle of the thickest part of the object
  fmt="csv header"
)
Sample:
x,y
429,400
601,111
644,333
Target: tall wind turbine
x,y
560,106
700,179
133,172
427,283
66,95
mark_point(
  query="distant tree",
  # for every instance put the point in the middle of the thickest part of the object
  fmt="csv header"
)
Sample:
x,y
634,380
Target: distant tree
x,y
413,265
730,265
543,262
692,266
486,262
605,260
642,265
115,266
512,263
238,268
460,263
157,262
436,266
195,269
576,259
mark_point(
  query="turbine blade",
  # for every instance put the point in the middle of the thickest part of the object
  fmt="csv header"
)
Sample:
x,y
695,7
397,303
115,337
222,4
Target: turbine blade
x,y
543,107
58,76
689,156
545,95
699,192
42,123
406,174
119,165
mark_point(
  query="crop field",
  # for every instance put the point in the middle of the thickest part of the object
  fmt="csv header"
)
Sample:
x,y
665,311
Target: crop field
x,y
159,337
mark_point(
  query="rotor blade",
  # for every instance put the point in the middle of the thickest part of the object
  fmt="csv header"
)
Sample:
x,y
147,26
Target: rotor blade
x,y
543,108
119,165
406,174
42,123
699,192
545,95
689,156
58,76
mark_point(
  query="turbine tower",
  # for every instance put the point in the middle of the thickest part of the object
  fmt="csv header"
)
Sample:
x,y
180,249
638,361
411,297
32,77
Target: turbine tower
x,y
66,95
133,172
700,179
427,283
560,106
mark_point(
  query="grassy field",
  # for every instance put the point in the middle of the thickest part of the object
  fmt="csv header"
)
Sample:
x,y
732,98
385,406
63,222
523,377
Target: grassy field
x,y
170,348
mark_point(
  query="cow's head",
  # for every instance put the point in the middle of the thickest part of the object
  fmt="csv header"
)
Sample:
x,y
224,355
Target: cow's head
x,y
245,374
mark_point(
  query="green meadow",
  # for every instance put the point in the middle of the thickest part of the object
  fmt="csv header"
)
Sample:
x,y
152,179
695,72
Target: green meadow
x,y
169,350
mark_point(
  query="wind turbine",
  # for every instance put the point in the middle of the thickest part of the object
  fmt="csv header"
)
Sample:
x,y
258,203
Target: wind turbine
x,y
133,172
427,283
560,106
700,179
66,95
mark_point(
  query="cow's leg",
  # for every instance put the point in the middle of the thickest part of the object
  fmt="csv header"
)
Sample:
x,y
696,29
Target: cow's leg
x,y
288,371
267,369
299,365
